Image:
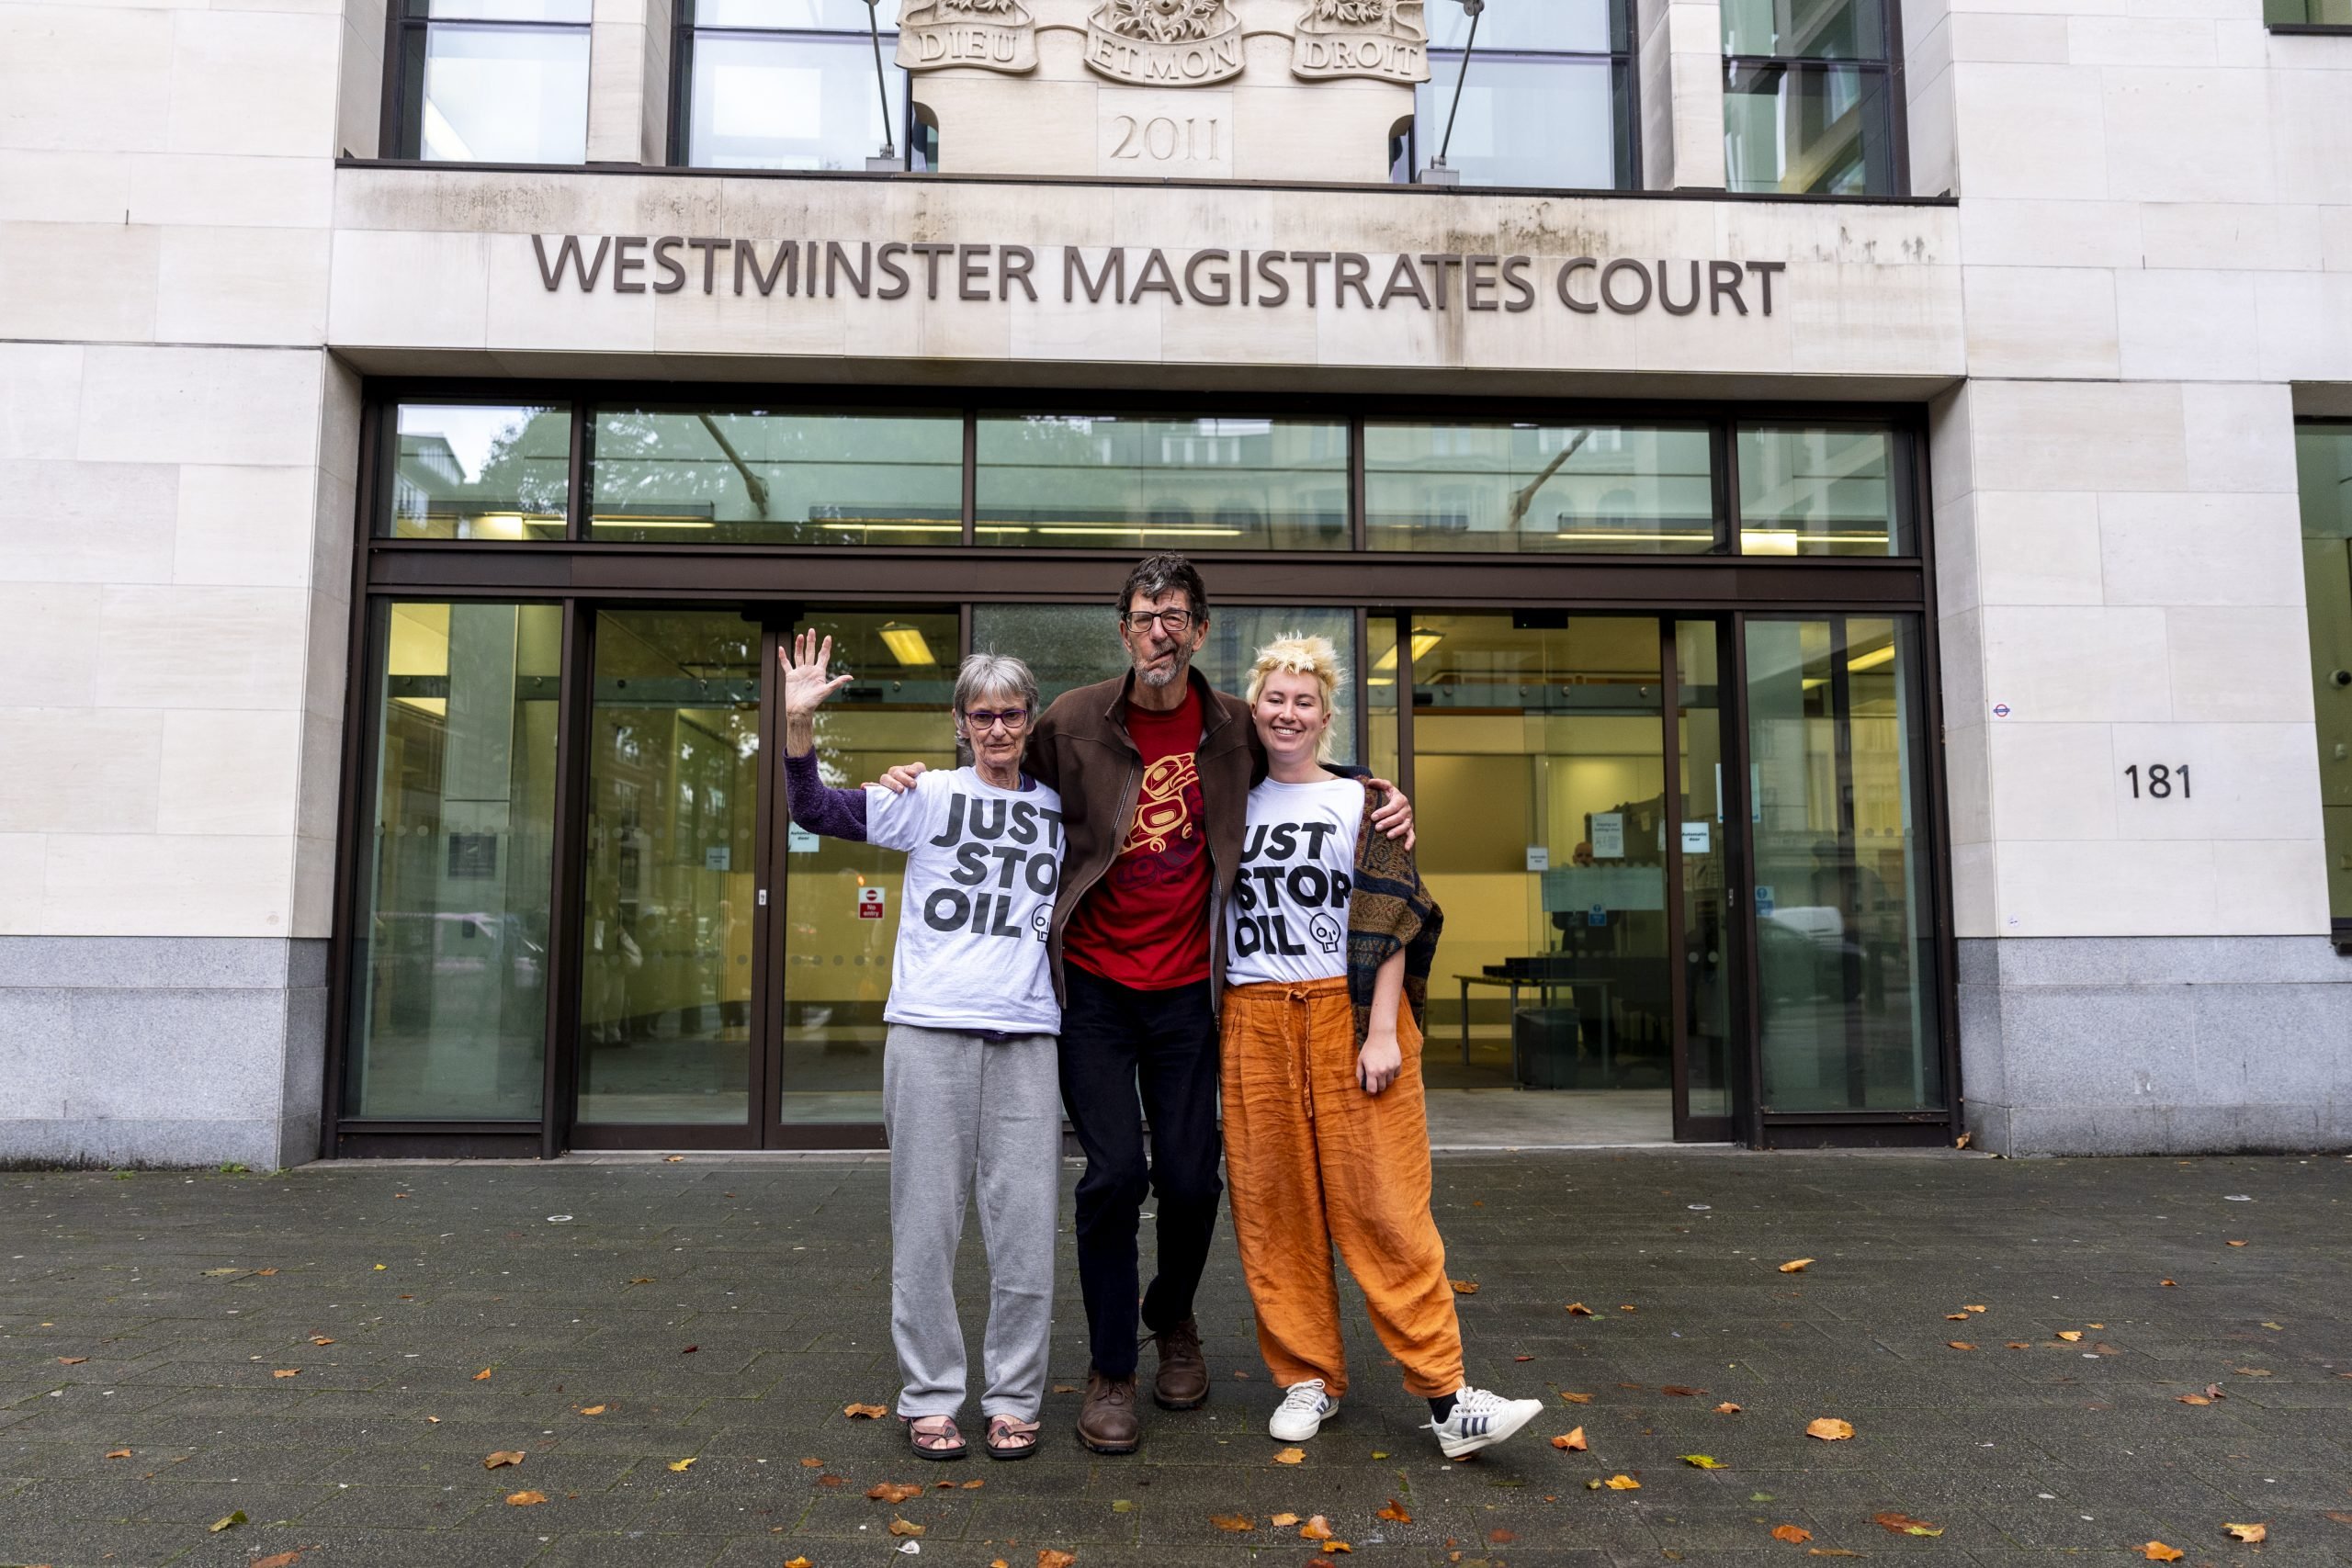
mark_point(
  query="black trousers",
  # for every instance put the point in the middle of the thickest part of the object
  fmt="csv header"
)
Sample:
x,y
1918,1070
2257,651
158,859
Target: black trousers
x,y
1116,1043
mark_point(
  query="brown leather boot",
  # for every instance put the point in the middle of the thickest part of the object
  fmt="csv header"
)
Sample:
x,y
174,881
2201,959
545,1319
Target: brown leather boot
x,y
1106,1422
1184,1380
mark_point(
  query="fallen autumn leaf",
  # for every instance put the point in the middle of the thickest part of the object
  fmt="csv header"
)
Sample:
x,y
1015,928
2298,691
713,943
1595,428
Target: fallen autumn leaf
x,y
483,1375
1703,1462
683,1465
863,1412
1904,1524
904,1527
1571,1442
502,1458
1577,1309
1234,1523
1829,1429
1727,1408
1317,1529
1797,1265
1464,1287
2157,1551
1291,1456
2248,1532
1796,1535
524,1499
1394,1513
231,1522
1623,1483
895,1491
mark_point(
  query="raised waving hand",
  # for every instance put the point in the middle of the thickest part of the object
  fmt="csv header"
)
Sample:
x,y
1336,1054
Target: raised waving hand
x,y
805,660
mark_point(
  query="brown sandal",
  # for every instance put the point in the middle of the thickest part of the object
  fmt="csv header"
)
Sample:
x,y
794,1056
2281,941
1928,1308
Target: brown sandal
x,y
935,1437
1011,1439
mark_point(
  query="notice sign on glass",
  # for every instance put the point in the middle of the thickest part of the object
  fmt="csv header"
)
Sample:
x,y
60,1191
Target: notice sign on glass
x,y
1608,835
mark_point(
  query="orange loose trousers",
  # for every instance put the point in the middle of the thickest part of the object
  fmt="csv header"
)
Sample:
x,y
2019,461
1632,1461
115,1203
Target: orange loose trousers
x,y
1311,1159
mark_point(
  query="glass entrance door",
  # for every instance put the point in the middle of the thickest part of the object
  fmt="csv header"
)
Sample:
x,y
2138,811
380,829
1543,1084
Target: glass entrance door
x,y
842,900
1539,769
669,1039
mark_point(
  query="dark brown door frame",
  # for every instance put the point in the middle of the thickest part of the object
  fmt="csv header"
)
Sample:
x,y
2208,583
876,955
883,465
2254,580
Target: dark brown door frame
x,y
584,576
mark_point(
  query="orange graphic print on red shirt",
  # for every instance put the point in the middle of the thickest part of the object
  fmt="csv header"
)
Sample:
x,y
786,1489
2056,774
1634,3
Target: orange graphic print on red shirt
x,y
1146,923
1166,807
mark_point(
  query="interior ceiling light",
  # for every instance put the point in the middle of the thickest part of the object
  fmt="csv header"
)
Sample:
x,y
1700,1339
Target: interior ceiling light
x,y
907,645
1883,654
1422,642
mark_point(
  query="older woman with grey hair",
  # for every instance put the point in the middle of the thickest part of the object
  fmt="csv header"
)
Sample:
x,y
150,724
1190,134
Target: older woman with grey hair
x,y
971,1102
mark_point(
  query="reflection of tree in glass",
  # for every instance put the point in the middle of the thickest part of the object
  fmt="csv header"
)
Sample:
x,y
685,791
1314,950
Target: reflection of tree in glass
x,y
650,463
528,465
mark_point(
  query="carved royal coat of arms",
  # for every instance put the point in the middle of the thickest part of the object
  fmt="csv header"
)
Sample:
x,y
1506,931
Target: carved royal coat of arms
x,y
996,35
1383,39
1165,43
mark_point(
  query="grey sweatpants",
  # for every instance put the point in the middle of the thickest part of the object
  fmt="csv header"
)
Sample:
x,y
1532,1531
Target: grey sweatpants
x,y
967,1118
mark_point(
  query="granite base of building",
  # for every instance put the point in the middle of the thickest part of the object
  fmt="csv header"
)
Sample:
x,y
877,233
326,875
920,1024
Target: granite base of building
x,y
160,1050
2127,1045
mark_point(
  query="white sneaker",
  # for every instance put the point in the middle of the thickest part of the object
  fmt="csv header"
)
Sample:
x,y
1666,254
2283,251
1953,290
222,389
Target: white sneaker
x,y
1303,1408
1480,1420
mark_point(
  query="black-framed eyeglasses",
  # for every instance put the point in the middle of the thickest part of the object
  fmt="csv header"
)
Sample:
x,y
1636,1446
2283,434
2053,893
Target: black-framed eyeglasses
x,y
980,720
1178,622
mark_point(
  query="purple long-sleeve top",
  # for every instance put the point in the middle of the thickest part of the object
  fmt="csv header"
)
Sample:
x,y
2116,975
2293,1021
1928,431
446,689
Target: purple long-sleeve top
x,y
819,808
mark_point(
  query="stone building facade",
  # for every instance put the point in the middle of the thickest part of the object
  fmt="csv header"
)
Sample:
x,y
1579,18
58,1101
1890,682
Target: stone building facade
x,y
1938,417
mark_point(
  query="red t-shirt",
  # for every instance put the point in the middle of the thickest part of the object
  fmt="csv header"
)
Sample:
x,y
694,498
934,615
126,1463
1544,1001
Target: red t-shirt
x,y
1145,924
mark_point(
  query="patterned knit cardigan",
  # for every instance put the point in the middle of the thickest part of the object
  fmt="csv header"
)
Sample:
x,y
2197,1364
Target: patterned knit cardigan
x,y
1389,908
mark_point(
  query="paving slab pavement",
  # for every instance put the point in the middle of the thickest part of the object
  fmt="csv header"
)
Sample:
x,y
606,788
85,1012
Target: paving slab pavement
x,y
334,1352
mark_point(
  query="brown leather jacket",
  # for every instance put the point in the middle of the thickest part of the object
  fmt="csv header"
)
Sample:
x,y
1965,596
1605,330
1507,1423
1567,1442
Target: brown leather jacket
x,y
1081,749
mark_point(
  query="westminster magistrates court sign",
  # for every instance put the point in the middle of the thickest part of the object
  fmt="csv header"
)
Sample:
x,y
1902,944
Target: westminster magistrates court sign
x,y
1212,278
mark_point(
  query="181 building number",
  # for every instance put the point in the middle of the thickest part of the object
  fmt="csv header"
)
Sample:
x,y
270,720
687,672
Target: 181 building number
x,y
2161,783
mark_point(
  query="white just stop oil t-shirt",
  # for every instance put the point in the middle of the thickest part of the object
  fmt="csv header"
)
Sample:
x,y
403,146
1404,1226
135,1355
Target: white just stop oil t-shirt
x,y
1288,916
983,867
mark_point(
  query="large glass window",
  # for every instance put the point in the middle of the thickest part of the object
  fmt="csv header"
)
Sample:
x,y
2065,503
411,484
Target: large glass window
x,y
2324,468
1074,645
779,478
1845,939
2297,14
790,84
1609,489
449,955
1546,100
479,471
1136,483
1808,108
495,81
1823,490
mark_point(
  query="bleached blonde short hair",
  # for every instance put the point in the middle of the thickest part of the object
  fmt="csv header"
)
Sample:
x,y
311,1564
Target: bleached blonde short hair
x,y
1295,653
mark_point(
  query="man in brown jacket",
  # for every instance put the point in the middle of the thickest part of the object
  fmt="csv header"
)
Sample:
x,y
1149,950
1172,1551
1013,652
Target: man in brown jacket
x,y
1153,768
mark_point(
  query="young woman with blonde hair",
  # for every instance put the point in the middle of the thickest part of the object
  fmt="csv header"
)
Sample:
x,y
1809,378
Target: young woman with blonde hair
x,y
1331,934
